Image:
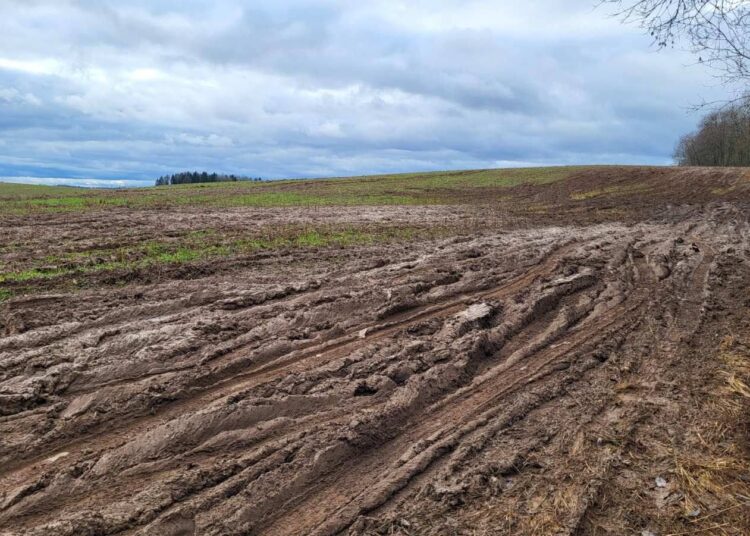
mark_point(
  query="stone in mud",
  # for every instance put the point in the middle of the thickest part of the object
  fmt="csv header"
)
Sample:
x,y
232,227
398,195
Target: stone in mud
x,y
476,312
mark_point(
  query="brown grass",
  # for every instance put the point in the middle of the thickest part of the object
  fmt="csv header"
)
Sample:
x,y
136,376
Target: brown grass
x,y
715,475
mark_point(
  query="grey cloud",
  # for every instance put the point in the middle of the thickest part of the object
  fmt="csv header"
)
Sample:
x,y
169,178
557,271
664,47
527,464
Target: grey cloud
x,y
132,90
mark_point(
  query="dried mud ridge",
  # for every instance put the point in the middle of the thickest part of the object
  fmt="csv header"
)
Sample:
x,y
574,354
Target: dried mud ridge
x,y
411,391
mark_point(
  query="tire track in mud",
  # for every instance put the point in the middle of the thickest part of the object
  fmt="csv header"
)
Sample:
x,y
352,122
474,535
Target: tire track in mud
x,y
602,465
474,405
392,326
466,392
540,357
691,313
446,309
352,341
247,439
13,474
690,316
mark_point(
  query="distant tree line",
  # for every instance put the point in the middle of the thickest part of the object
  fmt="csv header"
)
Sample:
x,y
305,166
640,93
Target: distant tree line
x,y
722,139
193,177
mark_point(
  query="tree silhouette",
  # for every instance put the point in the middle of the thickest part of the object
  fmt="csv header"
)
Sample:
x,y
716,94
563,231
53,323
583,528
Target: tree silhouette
x,y
194,177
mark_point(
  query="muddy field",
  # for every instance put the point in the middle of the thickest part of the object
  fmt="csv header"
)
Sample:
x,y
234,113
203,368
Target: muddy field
x,y
573,358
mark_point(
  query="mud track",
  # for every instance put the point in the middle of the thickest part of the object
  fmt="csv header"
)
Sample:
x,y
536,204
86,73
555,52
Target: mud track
x,y
466,385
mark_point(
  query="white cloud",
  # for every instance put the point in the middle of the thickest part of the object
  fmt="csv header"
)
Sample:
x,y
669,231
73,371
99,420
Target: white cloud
x,y
212,140
326,87
13,96
145,74
89,183
39,66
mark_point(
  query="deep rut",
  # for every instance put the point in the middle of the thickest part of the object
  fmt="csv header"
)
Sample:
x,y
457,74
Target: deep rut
x,y
306,358
456,386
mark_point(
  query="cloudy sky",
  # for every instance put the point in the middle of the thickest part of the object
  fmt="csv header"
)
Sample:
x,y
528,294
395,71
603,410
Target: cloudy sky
x,y
127,90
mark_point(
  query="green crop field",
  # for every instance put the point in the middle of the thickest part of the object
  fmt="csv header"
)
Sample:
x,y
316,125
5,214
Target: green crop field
x,y
400,189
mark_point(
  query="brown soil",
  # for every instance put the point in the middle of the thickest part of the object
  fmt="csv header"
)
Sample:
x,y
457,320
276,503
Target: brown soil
x,y
581,373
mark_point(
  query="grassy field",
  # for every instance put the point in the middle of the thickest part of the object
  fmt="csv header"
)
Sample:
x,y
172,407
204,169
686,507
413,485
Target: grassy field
x,y
200,246
42,248
399,189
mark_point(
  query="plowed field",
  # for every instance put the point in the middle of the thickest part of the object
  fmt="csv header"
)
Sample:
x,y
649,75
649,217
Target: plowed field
x,y
565,357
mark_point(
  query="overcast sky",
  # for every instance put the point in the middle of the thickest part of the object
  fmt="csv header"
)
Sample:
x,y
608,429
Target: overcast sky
x,y
132,89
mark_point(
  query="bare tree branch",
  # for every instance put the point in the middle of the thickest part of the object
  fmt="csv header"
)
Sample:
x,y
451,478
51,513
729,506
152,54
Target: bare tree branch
x,y
718,31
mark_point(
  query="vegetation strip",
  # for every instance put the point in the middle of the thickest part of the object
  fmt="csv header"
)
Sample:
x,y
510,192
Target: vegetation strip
x,y
449,187
204,245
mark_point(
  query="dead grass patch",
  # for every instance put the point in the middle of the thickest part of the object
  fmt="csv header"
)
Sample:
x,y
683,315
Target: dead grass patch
x,y
715,474
616,190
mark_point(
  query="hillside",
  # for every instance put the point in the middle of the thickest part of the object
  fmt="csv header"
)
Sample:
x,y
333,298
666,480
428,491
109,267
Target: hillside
x,y
530,351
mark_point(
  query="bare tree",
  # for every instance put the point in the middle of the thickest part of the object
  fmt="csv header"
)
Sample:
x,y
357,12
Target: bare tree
x,y
722,139
718,31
